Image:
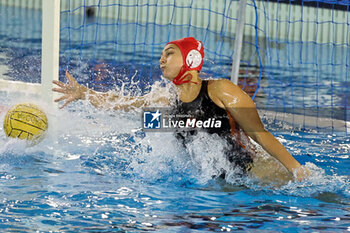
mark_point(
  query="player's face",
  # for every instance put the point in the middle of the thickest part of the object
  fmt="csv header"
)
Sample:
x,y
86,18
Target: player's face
x,y
171,61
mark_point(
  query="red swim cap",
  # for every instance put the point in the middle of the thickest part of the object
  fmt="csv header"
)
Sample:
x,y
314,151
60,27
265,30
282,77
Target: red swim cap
x,y
192,51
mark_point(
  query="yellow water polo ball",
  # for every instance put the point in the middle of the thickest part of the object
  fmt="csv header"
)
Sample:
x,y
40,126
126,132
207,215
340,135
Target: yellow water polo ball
x,y
26,121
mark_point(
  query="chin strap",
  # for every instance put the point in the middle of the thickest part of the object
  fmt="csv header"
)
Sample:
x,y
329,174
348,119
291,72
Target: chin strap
x,y
180,78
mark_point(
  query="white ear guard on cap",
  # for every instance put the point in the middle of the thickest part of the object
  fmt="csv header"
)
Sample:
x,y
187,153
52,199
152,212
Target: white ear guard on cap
x,y
193,59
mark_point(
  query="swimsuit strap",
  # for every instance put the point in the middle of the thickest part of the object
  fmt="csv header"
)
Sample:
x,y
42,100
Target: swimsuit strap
x,y
204,89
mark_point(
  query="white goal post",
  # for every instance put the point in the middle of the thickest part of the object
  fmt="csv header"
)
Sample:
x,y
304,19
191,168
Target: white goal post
x,y
50,46
49,59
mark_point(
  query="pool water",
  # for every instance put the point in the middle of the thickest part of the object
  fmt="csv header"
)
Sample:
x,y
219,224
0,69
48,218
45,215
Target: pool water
x,y
91,175
96,171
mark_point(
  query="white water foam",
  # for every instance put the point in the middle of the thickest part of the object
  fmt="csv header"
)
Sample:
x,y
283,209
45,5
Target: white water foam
x,y
81,130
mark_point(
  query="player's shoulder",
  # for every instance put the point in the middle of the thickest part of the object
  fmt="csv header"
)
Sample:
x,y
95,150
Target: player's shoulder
x,y
226,91
223,86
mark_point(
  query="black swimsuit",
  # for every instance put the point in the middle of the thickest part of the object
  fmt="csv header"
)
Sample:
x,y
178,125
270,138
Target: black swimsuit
x,y
203,108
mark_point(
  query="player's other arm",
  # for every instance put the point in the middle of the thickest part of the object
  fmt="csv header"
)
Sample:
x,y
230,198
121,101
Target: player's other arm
x,y
243,110
73,91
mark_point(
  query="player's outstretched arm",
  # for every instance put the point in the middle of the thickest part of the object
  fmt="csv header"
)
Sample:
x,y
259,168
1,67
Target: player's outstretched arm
x,y
73,91
243,110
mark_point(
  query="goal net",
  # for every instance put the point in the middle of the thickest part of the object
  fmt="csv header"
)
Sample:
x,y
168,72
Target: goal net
x,y
294,59
294,56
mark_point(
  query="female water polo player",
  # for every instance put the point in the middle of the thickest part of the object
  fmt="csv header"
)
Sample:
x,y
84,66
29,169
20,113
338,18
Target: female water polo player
x,y
181,62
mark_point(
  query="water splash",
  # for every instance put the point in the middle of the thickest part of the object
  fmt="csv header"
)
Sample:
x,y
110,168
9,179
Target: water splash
x,y
112,143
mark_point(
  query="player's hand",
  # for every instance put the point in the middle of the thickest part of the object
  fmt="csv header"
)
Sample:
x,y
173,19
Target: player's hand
x,y
301,173
71,91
